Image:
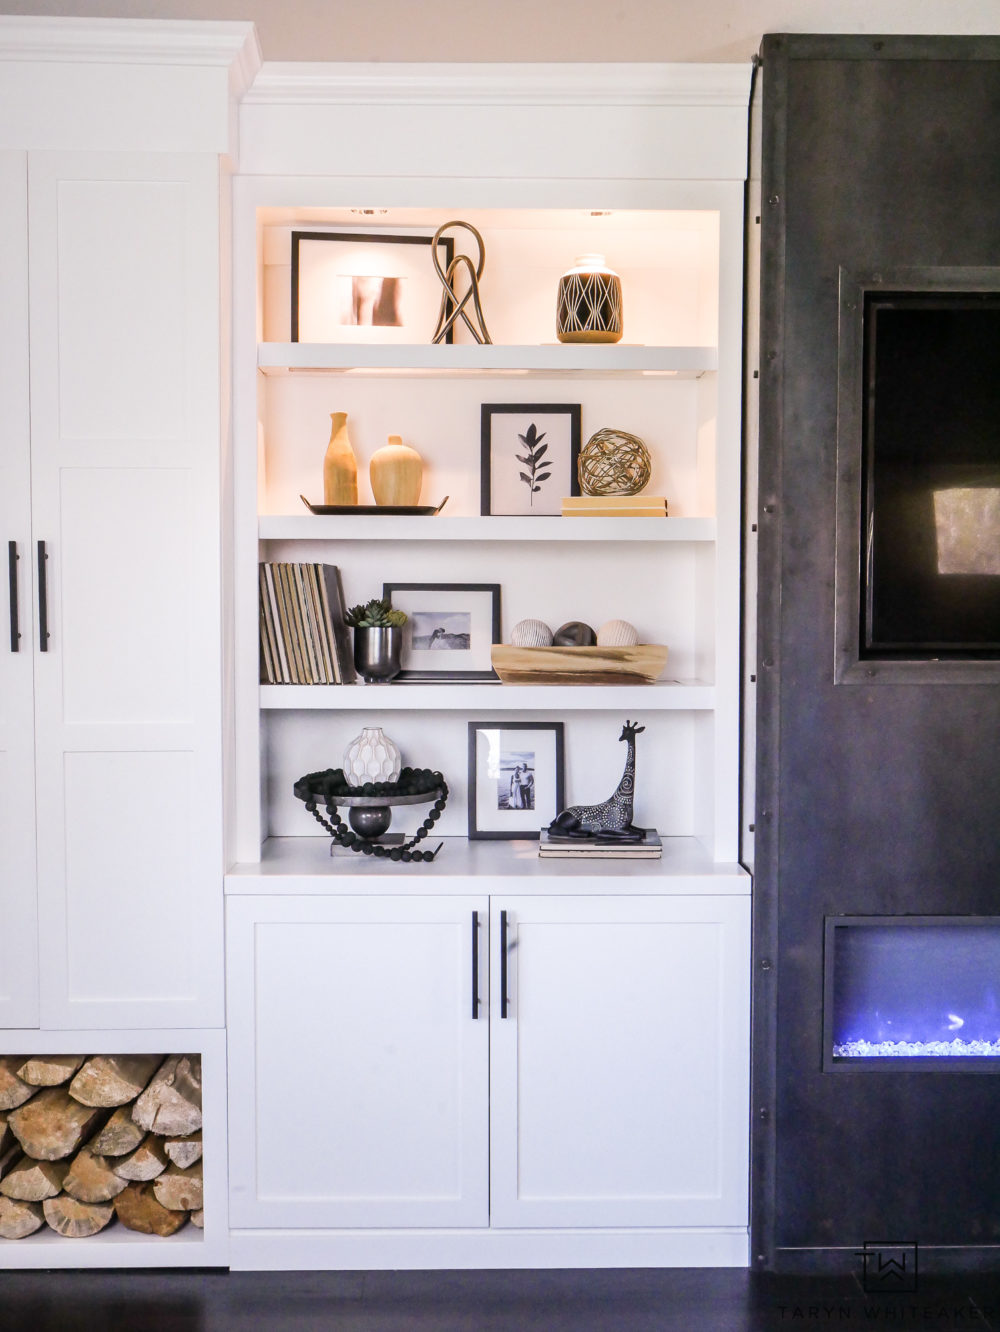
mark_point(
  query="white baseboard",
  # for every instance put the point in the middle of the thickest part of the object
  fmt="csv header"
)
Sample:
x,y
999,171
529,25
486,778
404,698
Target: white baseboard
x,y
352,1250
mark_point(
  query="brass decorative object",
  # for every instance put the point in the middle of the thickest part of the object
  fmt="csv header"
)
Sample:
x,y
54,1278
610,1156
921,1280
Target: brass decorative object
x,y
613,462
452,304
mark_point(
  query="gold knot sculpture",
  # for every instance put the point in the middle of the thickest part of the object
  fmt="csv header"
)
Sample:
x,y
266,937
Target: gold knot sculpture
x,y
452,304
613,462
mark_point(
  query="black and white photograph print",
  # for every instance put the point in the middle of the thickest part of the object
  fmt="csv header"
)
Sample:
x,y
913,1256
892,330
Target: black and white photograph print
x,y
515,778
441,631
516,783
529,456
367,286
449,632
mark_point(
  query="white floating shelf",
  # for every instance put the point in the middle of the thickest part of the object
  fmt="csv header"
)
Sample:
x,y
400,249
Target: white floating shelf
x,y
367,527
668,695
304,865
465,359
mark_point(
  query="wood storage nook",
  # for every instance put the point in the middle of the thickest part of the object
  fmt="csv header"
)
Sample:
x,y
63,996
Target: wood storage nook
x,y
85,1139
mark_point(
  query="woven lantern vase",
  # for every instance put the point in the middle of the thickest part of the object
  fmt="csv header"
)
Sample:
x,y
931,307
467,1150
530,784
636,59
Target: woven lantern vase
x,y
589,307
613,462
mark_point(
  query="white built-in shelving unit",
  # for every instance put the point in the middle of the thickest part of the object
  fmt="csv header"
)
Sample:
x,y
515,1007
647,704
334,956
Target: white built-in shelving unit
x,y
645,164
675,380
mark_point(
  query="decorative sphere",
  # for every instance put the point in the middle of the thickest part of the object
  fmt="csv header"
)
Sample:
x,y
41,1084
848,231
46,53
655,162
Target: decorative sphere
x,y
574,634
617,633
613,462
370,820
531,633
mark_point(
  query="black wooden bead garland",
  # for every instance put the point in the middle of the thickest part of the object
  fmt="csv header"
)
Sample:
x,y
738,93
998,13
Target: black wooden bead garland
x,y
327,786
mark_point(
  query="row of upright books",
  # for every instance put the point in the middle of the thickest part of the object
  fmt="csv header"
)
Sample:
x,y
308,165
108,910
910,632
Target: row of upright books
x,y
304,637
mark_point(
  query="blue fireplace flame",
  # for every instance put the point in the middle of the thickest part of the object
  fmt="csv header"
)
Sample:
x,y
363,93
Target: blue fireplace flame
x,y
916,989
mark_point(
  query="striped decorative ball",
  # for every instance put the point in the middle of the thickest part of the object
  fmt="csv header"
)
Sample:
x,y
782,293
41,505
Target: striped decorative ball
x,y
617,633
531,633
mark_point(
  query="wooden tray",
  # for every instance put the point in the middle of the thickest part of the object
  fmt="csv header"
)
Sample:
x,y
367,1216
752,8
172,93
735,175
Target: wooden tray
x,y
642,664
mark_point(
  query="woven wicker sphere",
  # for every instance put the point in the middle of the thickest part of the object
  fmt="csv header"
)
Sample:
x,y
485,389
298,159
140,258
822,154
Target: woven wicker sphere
x,y
613,462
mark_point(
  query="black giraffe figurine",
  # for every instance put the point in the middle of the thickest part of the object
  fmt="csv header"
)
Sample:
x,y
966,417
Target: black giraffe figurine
x,y
612,818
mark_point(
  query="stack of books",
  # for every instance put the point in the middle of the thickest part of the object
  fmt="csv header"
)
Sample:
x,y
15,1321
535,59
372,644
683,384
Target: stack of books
x,y
303,633
614,506
650,848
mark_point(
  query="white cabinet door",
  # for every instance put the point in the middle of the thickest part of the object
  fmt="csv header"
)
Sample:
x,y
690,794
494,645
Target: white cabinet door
x,y
358,1092
619,1077
18,902
125,427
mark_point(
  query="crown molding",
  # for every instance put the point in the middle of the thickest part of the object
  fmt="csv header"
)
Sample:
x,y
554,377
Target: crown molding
x,y
134,42
308,84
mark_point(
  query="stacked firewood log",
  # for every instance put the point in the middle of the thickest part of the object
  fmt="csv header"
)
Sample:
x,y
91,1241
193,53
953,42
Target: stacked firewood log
x,y
85,1140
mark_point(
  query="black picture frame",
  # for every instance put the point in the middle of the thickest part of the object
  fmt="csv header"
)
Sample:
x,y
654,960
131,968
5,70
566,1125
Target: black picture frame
x,y
460,617
364,237
512,822
500,491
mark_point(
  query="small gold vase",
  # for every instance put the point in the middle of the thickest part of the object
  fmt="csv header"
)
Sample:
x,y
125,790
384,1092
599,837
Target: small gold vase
x,y
340,467
396,472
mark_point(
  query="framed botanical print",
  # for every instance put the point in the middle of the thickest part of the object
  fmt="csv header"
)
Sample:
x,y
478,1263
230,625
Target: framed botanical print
x,y
529,456
450,629
515,777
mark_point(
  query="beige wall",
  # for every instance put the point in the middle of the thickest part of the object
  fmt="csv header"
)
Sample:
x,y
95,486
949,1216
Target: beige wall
x,y
538,29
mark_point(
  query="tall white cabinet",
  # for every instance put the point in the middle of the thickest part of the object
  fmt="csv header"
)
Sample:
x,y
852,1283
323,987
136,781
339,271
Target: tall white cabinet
x,y
592,1107
116,144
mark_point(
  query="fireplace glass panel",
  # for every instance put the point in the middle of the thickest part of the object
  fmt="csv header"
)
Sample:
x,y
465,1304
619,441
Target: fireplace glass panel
x,y
912,991
931,537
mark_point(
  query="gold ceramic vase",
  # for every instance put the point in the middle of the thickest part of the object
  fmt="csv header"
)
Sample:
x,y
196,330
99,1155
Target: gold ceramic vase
x,y
396,473
340,467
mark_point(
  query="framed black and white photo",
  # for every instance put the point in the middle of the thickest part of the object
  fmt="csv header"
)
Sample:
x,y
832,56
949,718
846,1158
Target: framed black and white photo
x,y
450,629
515,777
368,286
529,457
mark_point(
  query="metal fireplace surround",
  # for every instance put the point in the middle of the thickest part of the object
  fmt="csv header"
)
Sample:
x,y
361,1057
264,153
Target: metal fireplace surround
x,y
878,761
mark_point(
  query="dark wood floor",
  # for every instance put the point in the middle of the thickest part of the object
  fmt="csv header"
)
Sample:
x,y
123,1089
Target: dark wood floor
x,y
676,1300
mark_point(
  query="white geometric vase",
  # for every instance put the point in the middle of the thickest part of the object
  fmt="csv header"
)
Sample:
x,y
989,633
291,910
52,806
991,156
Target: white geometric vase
x,y
371,757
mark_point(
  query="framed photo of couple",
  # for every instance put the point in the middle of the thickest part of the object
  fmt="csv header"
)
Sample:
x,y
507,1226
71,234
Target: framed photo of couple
x,y
516,778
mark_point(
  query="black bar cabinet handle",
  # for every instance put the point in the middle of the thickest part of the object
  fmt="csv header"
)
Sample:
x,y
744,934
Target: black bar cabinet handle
x,y
43,601
475,964
503,964
12,559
